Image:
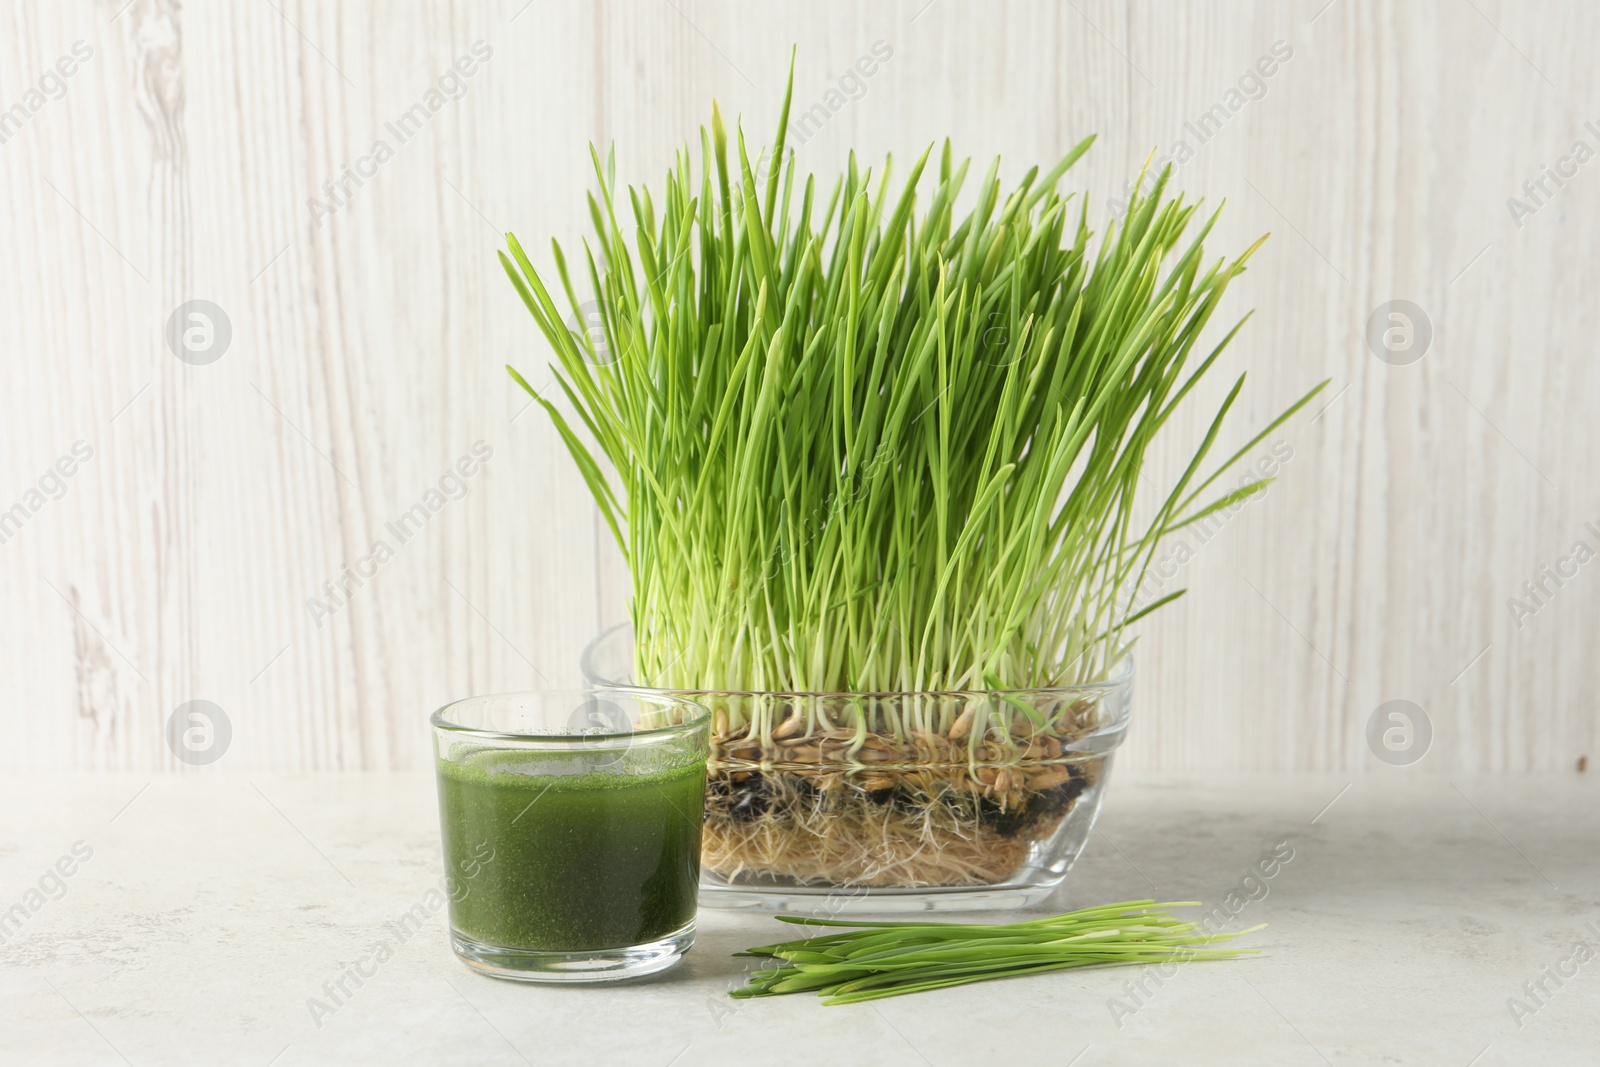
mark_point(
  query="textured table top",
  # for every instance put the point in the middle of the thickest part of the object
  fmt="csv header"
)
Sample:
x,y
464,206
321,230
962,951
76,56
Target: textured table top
x,y
1420,921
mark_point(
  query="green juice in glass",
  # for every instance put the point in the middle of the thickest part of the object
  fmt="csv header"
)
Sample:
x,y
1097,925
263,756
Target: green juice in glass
x,y
556,855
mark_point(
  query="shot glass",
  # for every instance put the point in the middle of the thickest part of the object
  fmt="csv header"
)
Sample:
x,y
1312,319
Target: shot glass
x,y
571,825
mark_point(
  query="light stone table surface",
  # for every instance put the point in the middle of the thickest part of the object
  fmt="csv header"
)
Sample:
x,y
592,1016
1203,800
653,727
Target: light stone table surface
x,y
1416,915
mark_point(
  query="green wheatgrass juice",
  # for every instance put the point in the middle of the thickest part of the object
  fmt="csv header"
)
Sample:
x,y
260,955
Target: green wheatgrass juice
x,y
586,859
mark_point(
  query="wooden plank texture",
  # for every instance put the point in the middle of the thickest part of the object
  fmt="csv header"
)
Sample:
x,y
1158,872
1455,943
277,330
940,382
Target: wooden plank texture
x,y
191,554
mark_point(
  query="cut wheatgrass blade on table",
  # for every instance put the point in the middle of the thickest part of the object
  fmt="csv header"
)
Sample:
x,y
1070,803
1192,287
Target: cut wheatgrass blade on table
x,y
872,960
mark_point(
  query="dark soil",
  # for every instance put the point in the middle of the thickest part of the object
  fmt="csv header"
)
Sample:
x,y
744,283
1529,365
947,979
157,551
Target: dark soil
x,y
754,794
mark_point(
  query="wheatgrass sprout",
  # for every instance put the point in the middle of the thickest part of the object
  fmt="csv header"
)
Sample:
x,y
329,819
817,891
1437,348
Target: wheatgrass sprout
x,y
873,462
851,442
889,959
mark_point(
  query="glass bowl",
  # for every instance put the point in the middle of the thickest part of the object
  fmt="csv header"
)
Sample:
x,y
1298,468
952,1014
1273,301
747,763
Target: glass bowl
x,y
885,802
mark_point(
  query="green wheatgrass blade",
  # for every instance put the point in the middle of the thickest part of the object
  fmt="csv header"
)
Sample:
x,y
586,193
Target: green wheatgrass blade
x,y
882,959
849,440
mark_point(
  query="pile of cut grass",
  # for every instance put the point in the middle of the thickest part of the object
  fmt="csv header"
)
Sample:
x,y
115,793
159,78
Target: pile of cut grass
x,y
889,959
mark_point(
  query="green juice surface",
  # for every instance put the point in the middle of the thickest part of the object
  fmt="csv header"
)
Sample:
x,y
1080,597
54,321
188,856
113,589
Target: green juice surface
x,y
569,861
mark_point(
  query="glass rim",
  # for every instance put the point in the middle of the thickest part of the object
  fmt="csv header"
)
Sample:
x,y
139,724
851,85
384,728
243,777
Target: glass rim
x,y
1120,679
439,720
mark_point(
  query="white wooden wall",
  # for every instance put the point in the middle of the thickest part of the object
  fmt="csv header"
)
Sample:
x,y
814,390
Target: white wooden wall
x,y
367,349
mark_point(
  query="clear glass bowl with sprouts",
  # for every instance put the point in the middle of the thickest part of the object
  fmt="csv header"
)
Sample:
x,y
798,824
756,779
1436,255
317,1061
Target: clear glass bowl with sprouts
x,y
828,803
